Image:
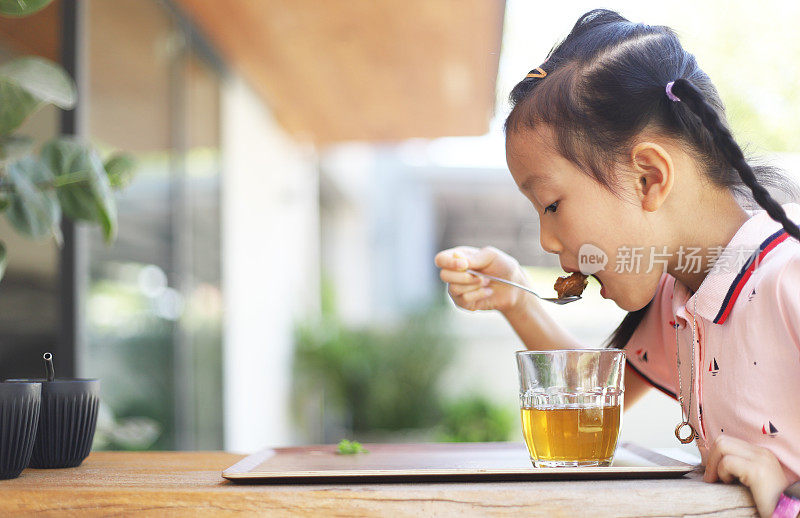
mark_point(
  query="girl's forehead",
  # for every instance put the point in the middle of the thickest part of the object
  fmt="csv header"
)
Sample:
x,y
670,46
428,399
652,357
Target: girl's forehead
x,y
529,151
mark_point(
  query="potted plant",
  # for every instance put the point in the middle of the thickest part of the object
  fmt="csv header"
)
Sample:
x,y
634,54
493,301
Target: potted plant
x,y
63,177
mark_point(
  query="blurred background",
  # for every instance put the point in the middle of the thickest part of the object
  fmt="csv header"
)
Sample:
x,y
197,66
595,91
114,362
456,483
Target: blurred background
x,y
300,164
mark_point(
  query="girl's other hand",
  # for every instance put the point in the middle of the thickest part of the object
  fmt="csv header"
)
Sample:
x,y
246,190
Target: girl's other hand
x,y
474,293
730,459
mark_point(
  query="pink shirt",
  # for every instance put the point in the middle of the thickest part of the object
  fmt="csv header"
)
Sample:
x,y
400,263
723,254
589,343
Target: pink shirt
x,y
747,359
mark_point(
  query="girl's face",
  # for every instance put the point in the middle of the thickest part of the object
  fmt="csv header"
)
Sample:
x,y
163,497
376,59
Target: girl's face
x,y
575,211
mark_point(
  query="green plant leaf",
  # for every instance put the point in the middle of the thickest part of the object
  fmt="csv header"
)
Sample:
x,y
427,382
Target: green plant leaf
x,y
43,79
350,447
33,211
120,168
3,259
26,84
83,187
15,106
21,8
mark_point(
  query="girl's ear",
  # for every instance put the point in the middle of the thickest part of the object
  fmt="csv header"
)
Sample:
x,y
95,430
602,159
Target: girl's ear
x,y
654,174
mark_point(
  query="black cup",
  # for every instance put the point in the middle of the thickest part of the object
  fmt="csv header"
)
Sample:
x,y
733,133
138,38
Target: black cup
x,y
67,422
19,417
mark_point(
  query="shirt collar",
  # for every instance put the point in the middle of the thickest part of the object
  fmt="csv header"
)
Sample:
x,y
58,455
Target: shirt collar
x,y
721,288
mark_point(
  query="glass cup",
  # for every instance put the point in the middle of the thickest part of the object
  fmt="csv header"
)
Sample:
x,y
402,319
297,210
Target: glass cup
x,y
571,405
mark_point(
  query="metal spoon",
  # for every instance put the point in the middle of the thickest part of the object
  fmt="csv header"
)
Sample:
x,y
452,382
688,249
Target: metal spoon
x,y
564,300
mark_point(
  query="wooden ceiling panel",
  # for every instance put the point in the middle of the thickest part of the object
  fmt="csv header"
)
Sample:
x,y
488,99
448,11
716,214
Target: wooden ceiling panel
x,y
376,70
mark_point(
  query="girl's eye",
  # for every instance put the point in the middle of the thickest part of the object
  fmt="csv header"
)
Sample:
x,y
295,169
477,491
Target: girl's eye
x,y
552,207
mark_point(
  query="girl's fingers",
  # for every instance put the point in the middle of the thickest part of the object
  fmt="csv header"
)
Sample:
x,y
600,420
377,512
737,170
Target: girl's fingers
x,y
457,290
476,295
732,467
453,277
725,445
482,304
483,257
452,259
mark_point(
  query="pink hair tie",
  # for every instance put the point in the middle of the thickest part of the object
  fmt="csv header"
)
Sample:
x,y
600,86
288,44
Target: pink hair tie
x,y
671,95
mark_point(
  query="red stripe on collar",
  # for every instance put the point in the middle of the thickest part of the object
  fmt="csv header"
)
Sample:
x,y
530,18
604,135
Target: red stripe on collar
x,y
747,270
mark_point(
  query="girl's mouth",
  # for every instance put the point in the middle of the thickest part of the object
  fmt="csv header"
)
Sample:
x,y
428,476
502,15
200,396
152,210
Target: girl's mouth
x,y
602,286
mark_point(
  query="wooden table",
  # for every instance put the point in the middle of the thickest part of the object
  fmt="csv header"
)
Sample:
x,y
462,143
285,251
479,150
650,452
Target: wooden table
x,y
190,484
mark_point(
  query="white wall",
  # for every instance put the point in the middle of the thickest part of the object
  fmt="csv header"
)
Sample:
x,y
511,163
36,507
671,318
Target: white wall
x,y
270,228
347,251
378,233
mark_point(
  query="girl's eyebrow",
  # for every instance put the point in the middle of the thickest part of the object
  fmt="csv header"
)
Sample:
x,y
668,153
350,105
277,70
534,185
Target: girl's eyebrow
x,y
531,181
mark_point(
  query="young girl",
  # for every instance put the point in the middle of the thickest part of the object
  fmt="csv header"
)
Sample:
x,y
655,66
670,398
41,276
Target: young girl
x,y
619,141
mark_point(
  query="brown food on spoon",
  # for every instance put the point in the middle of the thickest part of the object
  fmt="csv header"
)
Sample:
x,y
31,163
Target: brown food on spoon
x,y
572,285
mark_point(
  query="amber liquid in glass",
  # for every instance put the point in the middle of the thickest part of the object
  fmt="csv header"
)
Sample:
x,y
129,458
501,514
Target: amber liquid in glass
x,y
579,434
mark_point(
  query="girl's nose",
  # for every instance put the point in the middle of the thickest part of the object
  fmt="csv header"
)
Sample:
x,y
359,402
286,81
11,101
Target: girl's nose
x,y
549,241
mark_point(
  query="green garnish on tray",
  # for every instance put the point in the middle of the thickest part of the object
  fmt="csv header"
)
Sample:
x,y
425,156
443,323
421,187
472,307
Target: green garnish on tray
x,y
350,447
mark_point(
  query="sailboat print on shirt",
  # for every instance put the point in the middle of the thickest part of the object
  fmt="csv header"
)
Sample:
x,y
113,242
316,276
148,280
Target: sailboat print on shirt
x,y
752,294
769,429
642,354
713,368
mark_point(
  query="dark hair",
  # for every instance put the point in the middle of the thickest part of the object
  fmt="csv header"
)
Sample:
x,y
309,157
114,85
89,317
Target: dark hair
x,y
605,83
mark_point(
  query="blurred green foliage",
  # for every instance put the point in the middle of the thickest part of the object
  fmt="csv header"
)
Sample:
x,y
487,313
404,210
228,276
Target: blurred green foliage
x,y
133,346
387,378
376,377
475,419
138,381
755,75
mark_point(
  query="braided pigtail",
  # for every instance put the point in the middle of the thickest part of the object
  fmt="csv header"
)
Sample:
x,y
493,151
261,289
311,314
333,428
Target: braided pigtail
x,y
688,94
